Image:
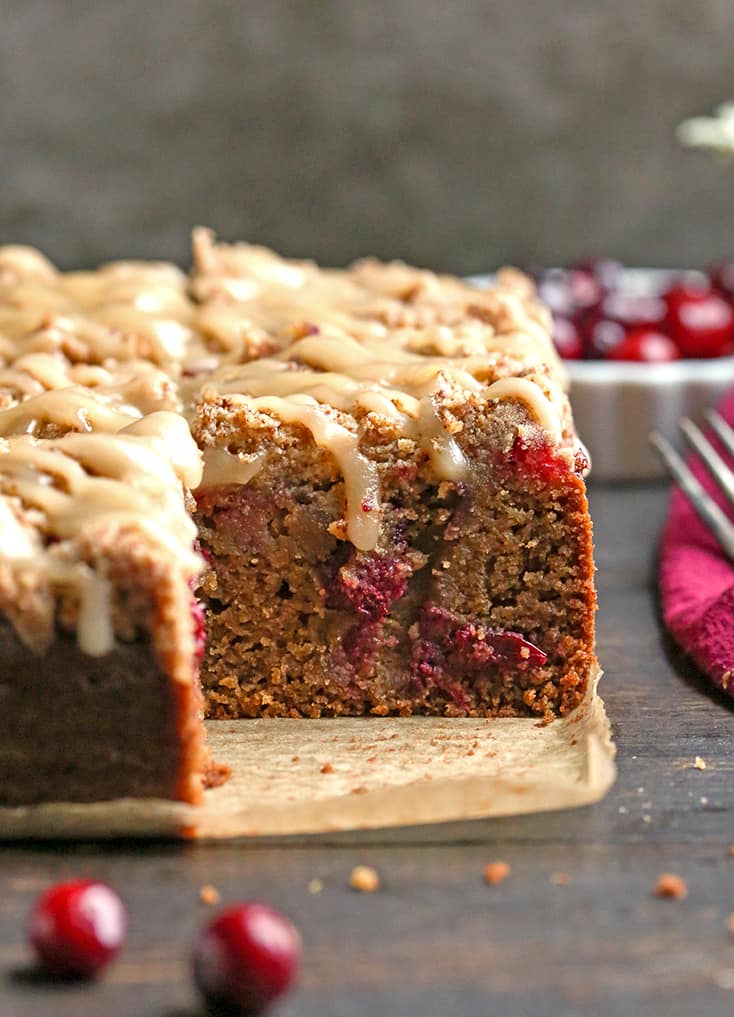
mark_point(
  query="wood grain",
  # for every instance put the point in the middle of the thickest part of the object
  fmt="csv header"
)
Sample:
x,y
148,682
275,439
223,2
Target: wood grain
x,y
435,940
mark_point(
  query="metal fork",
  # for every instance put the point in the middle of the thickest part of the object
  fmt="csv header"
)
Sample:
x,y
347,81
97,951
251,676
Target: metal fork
x,y
710,514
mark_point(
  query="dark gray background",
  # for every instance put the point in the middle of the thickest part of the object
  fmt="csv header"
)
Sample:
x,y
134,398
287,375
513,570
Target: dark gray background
x,y
454,133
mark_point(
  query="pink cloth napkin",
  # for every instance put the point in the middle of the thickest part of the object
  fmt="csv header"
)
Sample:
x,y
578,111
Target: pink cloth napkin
x,y
697,583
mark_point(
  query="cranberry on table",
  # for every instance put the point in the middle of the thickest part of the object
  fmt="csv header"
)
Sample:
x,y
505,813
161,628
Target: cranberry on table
x,y
77,927
246,958
700,321
567,340
647,346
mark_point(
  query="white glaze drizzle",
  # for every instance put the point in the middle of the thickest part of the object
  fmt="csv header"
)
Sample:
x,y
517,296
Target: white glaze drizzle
x,y
70,491
93,357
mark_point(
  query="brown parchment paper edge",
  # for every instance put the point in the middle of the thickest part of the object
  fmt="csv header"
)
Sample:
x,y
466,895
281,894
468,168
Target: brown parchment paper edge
x,y
309,777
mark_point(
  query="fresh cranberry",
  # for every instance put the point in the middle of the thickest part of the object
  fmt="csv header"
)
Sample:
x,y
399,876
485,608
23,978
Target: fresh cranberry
x,y
569,293
646,345
77,927
722,277
585,290
554,292
633,310
701,322
690,288
602,335
606,271
567,339
246,958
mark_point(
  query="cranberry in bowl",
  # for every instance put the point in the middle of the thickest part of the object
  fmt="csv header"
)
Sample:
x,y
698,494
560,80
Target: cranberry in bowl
x,y
674,358
641,348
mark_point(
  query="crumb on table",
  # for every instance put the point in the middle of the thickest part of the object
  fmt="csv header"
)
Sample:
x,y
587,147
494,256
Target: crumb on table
x,y
209,894
496,872
364,878
699,764
315,886
670,884
560,878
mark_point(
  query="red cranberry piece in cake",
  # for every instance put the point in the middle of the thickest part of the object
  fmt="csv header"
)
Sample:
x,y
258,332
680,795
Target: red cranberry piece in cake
x,y
567,339
77,927
199,631
647,346
535,459
368,585
246,958
476,646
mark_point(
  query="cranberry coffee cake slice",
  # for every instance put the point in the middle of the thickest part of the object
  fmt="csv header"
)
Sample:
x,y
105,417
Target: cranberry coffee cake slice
x,y
392,509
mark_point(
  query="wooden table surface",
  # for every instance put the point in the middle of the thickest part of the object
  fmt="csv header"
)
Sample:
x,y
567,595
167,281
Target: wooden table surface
x,y
435,941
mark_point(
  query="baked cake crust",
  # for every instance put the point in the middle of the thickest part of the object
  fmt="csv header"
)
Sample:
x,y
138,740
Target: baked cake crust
x,y
388,512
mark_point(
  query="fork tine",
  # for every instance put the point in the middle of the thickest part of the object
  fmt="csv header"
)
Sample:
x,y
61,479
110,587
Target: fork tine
x,y
718,468
722,430
708,511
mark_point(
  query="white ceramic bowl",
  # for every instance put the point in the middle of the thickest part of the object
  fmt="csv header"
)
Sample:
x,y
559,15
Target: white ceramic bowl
x,y
616,404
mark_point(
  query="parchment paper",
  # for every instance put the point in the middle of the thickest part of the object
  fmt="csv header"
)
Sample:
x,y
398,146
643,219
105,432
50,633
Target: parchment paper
x,y
317,776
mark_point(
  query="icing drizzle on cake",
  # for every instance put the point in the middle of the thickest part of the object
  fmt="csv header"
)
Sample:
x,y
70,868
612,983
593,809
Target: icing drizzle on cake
x,y
99,372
